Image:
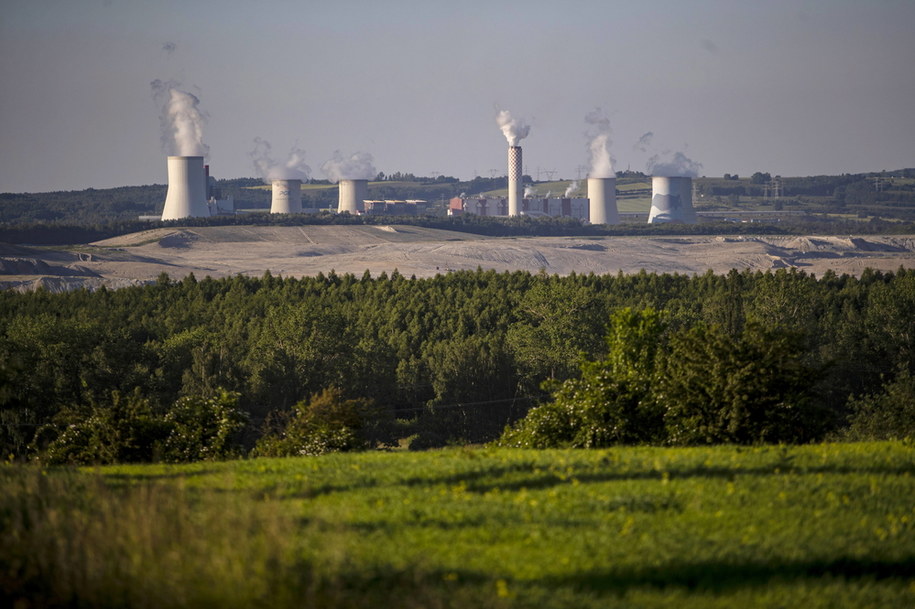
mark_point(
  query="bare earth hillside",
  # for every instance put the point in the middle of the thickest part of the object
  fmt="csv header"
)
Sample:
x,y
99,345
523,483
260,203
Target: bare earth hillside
x,y
301,251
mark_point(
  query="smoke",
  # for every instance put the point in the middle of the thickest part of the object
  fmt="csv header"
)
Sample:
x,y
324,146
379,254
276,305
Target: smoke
x,y
513,129
359,166
572,188
672,165
644,142
599,145
294,168
169,48
180,120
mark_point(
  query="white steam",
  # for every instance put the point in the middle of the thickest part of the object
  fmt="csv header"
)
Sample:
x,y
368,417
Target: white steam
x,y
528,192
293,168
599,145
513,129
673,165
644,141
573,186
180,120
359,166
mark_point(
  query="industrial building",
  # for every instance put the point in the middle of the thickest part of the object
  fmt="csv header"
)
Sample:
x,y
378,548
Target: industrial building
x,y
577,208
192,191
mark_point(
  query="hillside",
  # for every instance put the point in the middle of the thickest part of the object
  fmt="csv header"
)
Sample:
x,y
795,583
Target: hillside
x,y
298,251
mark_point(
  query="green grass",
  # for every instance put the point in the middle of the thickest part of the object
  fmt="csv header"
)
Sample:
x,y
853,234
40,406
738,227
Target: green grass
x,y
816,526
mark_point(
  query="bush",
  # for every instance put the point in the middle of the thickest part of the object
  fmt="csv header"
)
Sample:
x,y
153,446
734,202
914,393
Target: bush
x,y
611,402
124,430
327,422
889,415
204,428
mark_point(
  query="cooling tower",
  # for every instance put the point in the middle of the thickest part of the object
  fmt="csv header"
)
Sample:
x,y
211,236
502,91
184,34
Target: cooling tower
x,y
514,180
353,193
672,200
602,201
187,189
287,197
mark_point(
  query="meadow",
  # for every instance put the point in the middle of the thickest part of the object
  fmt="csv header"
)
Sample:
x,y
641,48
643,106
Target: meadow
x,y
825,525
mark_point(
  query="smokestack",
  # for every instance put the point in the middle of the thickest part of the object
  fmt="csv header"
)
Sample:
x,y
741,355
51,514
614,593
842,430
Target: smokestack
x,y
672,200
602,201
514,180
353,194
187,189
287,197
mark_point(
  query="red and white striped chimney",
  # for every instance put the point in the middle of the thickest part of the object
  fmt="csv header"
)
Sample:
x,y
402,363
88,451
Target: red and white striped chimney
x,y
514,180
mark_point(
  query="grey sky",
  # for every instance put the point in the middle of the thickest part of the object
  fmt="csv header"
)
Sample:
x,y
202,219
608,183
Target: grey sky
x,y
790,87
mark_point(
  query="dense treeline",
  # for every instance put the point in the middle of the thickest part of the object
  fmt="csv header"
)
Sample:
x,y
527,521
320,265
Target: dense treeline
x,y
210,368
521,226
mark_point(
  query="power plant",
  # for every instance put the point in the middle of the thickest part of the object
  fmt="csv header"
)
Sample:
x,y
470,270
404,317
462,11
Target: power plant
x,y
671,200
602,201
187,189
287,197
353,194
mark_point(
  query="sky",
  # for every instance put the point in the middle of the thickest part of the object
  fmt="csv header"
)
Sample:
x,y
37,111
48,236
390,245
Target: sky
x,y
793,88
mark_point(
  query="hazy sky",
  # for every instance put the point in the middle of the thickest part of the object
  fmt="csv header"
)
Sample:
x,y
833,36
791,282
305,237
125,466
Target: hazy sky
x,y
790,87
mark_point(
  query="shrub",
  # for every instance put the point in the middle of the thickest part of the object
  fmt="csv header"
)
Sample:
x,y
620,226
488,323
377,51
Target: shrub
x,y
204,428
327,422
889,415
124,430
612,401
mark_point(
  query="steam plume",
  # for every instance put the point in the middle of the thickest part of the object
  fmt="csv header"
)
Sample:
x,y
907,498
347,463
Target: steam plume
x,y
180,120
528,192
675,164
573,186
513,129
644,141
294,168
599,142
359,166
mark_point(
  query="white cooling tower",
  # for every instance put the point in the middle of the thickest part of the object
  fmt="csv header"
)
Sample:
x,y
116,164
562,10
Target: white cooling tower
x,y
514,180
287,197
602,201
187,189
672,200
353,193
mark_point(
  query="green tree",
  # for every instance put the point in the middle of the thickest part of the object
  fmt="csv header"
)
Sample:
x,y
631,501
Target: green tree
x,y
752,388
612,402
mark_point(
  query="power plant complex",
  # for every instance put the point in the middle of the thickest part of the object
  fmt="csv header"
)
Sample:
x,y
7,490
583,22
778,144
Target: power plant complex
x,y
192,194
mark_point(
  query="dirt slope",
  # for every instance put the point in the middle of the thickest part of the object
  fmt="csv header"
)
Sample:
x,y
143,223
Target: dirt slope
x,y
301,251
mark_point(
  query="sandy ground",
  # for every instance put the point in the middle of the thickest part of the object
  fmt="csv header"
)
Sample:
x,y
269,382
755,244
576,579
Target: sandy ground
x,y
301,251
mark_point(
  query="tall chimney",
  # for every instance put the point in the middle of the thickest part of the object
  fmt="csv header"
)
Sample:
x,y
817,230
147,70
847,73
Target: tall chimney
x,y
672,200
353,194
514,180
602,201
287,197
187,189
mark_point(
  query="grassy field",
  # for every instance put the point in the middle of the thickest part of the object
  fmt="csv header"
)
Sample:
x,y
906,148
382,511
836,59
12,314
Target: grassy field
x,y
815,526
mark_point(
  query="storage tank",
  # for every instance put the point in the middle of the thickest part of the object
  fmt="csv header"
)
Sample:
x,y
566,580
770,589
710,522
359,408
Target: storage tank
x,y
287,197
187,189
672,200
602,201
353,193
514,180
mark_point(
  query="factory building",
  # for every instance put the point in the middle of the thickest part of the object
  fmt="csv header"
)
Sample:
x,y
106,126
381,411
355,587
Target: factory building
x,y
577,208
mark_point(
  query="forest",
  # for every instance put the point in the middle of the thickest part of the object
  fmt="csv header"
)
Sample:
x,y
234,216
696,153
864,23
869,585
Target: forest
x,y
216,368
